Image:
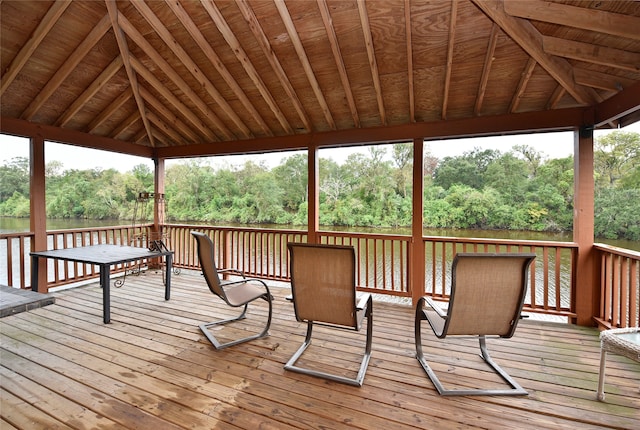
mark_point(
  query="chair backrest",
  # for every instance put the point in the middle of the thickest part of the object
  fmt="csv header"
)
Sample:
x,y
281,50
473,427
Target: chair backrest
x,y
323,283
208,264
487,293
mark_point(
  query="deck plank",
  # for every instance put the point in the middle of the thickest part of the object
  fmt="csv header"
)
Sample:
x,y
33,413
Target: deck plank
x,y
152,368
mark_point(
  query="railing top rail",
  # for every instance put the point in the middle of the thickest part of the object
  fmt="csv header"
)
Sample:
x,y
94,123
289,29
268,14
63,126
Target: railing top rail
x,y
367,235
16,234
90,229
617,251
227,228
501,241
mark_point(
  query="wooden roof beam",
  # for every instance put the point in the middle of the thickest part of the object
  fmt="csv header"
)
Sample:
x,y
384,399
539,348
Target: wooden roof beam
x,y
111,109
522,85
48,21
337,56
263,42
486,69
590,53
242,57
578,17
449,65
67,67
306,65
177,123
149,50
131,74
198,74
371,53
408,32
530,40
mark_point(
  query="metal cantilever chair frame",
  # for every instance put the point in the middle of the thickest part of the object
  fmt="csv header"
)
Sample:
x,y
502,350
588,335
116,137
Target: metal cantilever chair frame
x,y
361,307
441,321
236,293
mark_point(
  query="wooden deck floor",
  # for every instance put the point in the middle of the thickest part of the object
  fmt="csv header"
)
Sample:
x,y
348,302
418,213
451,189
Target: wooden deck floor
x,y
151,368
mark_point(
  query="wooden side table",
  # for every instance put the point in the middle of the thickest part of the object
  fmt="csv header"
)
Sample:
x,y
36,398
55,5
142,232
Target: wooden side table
x,y
621,341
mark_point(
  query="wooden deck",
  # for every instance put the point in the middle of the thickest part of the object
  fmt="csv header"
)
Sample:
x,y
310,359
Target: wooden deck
x,y
151,368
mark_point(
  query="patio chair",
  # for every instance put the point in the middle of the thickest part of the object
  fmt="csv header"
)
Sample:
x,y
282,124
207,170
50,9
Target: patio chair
x,y
487,295
235,293
324,292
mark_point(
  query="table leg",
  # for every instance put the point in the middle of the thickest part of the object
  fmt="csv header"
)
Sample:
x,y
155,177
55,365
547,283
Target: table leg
x,y
167,285
34,273
106,290
603,359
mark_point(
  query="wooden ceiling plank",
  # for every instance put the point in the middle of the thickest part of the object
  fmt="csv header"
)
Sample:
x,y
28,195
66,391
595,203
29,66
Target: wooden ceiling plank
x,y
407,20
48,21
243,58
124,125
149,50
169,116
578,17
123,47
90,91
304,60
371,53
263,42
197,72
486,69
530,40
175,103
449,65
68,66
161,125
590,53
111,109
522,85
337,56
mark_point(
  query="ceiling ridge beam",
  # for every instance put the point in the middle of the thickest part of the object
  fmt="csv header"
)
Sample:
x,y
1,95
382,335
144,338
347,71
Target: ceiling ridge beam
x,y
123,47
243,58
97,83
615,24
166,68
337,56
199,75
67,67
46,24
304,60
529,39
371,53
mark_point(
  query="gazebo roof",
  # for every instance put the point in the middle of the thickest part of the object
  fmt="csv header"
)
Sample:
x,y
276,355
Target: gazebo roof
x,y
180,78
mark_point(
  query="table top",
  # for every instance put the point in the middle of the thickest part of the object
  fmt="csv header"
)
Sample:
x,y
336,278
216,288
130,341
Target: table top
x,y
101,254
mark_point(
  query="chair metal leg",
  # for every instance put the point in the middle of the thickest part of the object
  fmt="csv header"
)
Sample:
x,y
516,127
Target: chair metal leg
x,y
516,389
359,379
205,328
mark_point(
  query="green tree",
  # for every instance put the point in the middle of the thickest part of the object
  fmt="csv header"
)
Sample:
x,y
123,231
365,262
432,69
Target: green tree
x,y
14,178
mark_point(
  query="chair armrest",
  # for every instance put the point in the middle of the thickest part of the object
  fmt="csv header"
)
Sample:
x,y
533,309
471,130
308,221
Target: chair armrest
x,y
232,271
361,301
435,307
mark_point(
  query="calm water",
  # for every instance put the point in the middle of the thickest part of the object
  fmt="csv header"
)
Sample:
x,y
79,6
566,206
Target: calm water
x,y
11,225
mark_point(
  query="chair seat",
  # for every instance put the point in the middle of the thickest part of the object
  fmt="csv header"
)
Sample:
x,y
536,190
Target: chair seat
x,y
238,295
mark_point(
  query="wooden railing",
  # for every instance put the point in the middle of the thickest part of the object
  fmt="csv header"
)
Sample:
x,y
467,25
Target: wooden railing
x,y
552,288
383,263
620,287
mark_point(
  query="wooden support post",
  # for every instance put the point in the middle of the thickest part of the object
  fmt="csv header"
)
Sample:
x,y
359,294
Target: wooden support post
x,y
38,208
587,282
313,192
416,250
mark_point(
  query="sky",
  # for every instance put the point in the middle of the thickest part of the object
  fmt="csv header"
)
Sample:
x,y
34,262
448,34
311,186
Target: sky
x,y
552,145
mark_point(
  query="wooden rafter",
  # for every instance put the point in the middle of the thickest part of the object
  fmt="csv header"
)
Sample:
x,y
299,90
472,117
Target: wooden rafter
x,y
529,38
337,56
67,67
102,79
557,95
488,61
599,80
164,128
590,53
407,20
129,121
169,116
243,58
449,65
263,42
577,17
371,53
123,46
111,109
304,60
48,21
197,72
522,85
160,62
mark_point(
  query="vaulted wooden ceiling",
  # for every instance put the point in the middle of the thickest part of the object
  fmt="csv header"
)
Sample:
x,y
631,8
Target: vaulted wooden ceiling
x,y
181,77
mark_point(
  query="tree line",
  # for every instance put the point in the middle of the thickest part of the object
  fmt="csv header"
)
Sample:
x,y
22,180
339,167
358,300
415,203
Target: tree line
x,y
520,189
